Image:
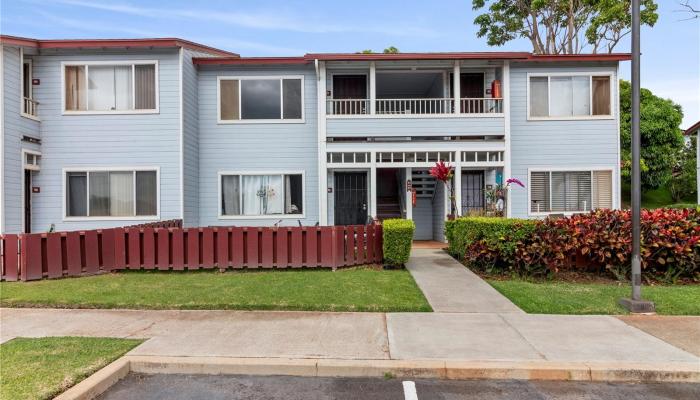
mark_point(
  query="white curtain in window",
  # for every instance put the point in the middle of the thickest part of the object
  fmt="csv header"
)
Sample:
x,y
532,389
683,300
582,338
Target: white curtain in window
x,y
581,95
121,193
122,87
109,87
100,87
263,194
561,92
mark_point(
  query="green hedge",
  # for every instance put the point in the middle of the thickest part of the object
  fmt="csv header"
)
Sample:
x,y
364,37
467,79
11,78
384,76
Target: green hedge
x,y
398,235
464,231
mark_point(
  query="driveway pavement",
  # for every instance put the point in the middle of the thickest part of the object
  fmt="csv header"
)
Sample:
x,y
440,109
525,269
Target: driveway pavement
x,y
175,387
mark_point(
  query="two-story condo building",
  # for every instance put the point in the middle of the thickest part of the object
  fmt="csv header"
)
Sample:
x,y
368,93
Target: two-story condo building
x,y
99,133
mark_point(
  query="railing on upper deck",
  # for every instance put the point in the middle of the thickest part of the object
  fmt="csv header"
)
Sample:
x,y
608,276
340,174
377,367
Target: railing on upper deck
x,y
30,107
481,105
414,106
403,107
348,106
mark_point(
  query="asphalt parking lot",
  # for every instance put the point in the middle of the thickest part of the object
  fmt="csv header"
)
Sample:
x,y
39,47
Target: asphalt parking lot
x,y
214,387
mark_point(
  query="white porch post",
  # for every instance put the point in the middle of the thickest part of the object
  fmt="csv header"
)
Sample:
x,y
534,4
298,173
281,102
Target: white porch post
x,y
372,87
409,194
322,168
458,183
373,186
456,87
506,124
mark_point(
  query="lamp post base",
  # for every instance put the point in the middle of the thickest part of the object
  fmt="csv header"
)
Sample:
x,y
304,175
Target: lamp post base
x,y
637,306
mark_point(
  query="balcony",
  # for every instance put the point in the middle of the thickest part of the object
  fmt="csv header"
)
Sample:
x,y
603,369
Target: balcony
x,y
427,107
29,107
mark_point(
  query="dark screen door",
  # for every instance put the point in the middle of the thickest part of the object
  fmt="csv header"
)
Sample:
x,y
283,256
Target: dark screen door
x,y
27,201
472,191
350,198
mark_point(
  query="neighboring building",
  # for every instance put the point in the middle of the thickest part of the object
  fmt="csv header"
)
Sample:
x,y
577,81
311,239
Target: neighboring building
x,y
103,133
690,132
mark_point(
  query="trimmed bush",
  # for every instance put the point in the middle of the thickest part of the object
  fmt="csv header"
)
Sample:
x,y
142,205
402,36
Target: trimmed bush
x,y
464,231
598,242
398,236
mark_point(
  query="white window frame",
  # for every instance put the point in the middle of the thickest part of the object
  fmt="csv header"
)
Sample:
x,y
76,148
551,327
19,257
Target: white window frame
x,y
87,65
64,199
22,95
219,197
33,167
614,188
590,75
239,78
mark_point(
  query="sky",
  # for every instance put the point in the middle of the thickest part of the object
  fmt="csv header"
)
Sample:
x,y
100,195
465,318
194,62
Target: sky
x,y
670,60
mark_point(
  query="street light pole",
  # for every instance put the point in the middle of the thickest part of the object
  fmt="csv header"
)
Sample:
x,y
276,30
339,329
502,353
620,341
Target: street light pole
x,y
635,303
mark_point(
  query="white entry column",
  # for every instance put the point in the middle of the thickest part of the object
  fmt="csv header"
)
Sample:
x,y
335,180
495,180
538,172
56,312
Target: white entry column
x,y
409,193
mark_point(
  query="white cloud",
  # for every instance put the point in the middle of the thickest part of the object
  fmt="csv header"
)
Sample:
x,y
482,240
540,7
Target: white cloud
x,y
265,20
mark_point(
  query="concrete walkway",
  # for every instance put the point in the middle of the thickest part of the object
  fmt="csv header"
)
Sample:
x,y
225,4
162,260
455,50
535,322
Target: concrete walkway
x,y
450,287
358,336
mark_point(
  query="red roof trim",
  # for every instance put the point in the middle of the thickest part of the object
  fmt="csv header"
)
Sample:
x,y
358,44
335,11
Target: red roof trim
x,y
112,43
694,128
249,60
581,57
18,41
418,56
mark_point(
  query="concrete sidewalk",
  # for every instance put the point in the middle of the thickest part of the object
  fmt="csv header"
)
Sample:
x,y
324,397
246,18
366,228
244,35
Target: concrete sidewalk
x,y
450,287
359,336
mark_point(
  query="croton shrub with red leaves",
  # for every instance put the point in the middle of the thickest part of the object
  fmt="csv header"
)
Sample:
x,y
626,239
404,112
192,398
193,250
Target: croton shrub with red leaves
x,y
597,242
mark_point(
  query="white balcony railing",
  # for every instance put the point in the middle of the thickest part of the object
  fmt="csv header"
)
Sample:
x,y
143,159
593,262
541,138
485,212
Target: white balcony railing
x,y
414,106
481,105
30,107
348,106
424,106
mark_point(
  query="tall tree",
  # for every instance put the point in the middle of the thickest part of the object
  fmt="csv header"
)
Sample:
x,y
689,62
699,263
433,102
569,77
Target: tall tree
x,y
560,26
662,138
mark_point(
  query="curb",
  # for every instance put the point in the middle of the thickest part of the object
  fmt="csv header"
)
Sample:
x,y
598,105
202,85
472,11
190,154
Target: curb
x,y
103,379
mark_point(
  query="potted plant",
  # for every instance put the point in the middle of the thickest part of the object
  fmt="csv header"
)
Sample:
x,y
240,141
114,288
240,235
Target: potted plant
x,y
444,173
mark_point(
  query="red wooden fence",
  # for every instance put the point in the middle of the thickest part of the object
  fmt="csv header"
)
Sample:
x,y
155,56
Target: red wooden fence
x,y
60,254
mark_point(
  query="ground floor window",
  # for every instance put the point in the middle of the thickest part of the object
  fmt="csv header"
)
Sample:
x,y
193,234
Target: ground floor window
x,y
262,194
570,191
111,193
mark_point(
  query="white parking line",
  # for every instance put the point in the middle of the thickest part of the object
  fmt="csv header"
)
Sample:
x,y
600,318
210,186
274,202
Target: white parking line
x,y
409,390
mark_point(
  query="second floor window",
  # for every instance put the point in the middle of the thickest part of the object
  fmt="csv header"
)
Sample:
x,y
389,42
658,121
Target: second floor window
x,y
110,87
261,99
575,96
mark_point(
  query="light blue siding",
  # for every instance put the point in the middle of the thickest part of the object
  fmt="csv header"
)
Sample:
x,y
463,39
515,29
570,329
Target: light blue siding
x,y
190,86
106,140
441,126
15,126
255,146
423,218
439,213
558,143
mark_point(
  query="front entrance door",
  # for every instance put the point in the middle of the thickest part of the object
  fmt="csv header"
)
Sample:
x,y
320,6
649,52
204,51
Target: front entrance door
x,y
350,198
471,86
472,191
27,201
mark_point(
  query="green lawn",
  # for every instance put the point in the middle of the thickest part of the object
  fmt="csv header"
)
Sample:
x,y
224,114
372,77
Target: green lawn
x,y
656,198
353,289
42,368
595,298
